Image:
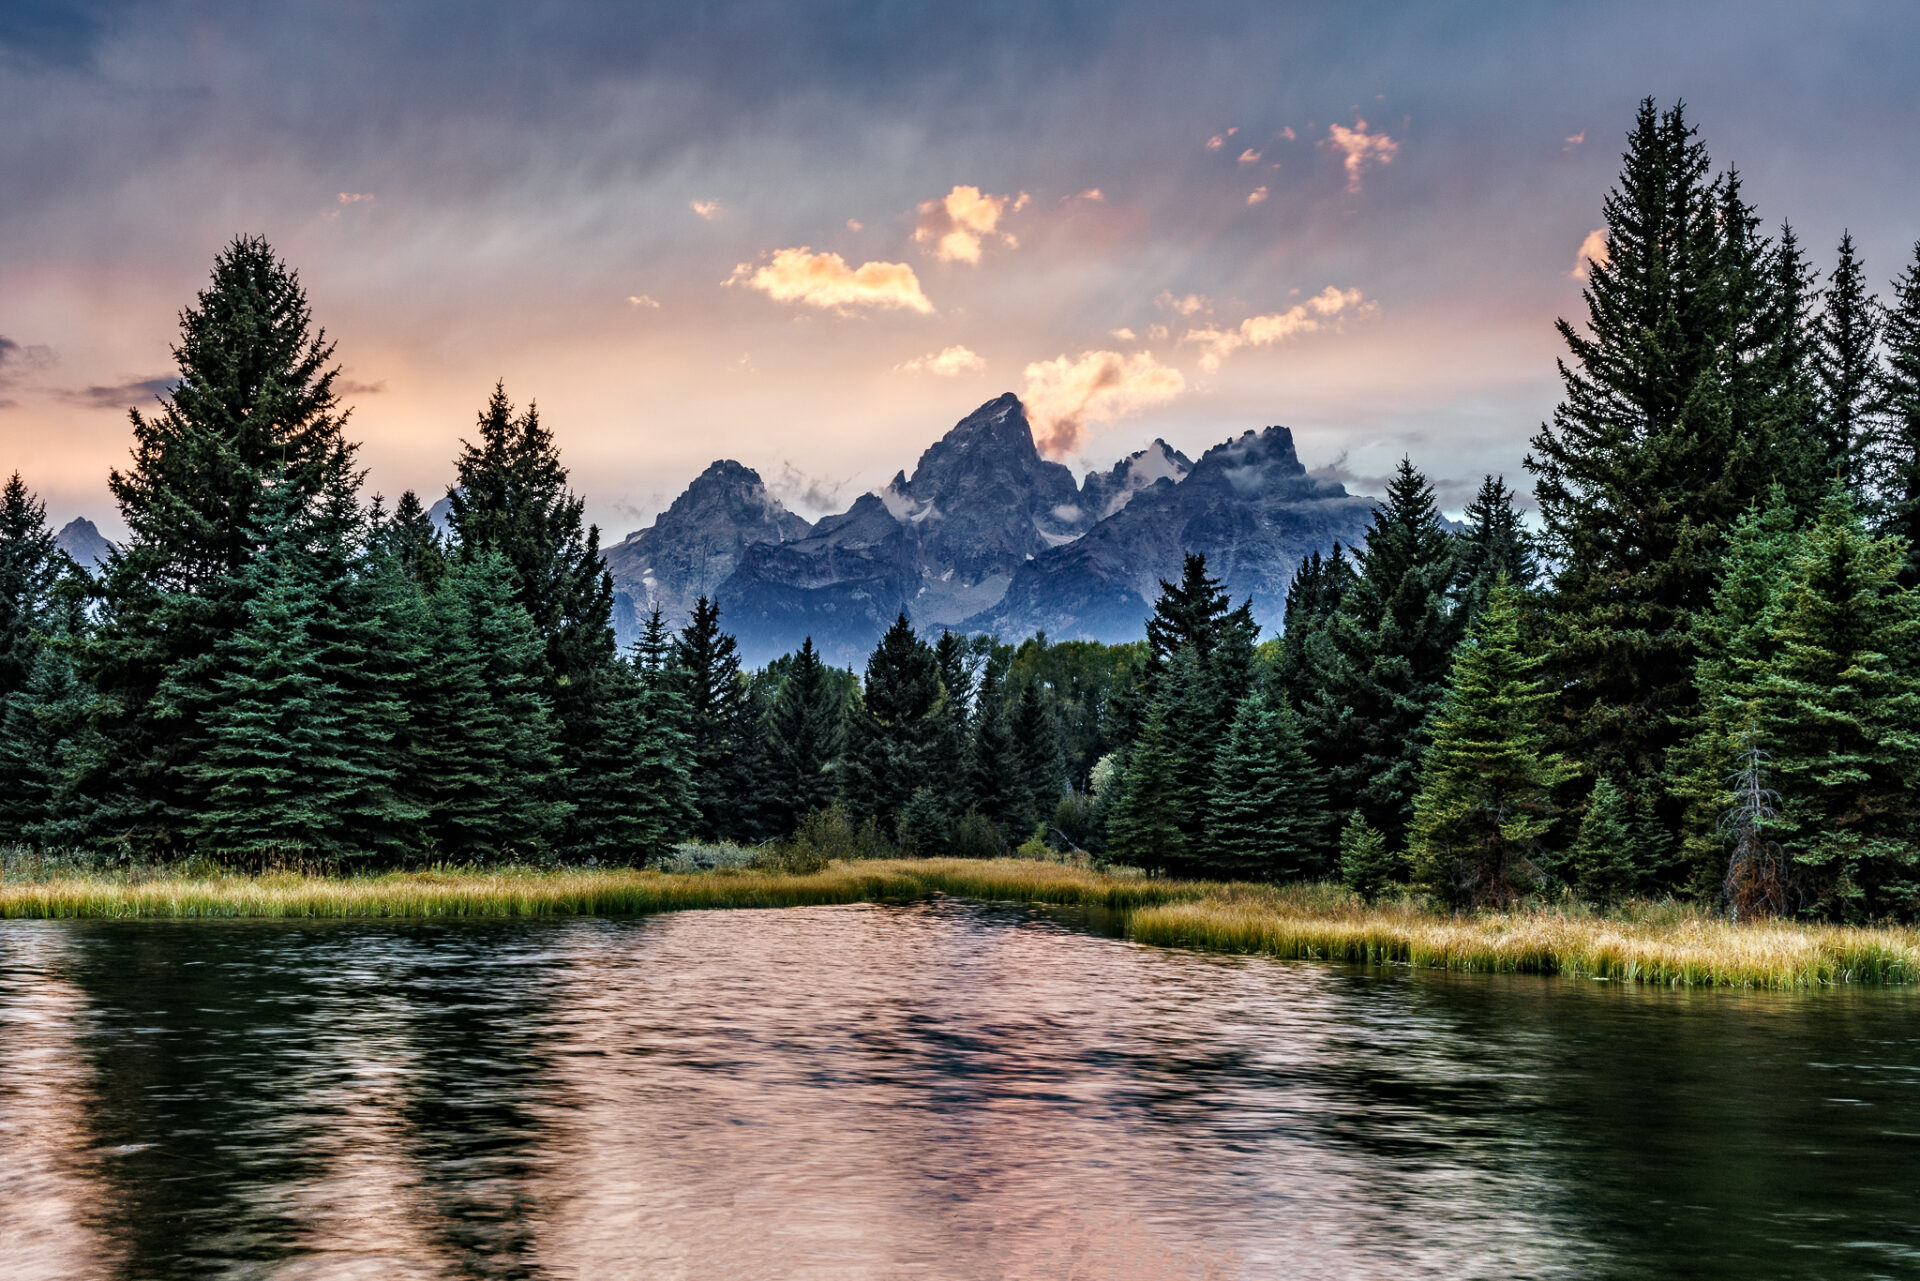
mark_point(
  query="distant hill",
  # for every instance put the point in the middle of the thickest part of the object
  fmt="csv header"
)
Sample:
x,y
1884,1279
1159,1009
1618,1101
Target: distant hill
x,y
81,539
986,535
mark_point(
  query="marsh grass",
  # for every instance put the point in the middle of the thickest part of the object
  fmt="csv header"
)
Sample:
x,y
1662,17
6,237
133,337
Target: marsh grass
x,y
1662,943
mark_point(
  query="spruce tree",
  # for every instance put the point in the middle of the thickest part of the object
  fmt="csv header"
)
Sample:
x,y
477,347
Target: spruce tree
x,y
806,735
1143,824
1367,864
719,721
923,825
1896,444
410,540
997,786
255,408
1846,365
1036,736
893,728
1493,545
1486,787
1840,715
1684,402
1267,813
1603,862
664,789
48,747
510,498
1384,659
31,570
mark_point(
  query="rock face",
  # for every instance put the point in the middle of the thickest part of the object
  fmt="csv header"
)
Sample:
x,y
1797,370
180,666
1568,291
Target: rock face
x,y
1248,505
985,536
694,546
81,539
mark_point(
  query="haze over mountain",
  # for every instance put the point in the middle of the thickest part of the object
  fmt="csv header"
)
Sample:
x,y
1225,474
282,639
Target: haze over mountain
x,y
986,535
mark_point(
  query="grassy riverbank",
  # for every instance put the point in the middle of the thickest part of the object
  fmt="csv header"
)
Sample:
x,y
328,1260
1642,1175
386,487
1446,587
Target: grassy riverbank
x,y
1660,944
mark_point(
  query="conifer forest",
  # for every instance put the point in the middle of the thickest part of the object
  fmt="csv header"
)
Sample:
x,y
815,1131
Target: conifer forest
x,y
1694,673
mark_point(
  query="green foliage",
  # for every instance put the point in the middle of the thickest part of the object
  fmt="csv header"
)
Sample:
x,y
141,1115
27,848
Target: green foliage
x,y
923,825
1603,859
974,835
1160,793
1367,865
893,732
1085,683
720,722
1381,661
1486,787
805,734
1846,366
1495,545
1267,809
997,786
1894,463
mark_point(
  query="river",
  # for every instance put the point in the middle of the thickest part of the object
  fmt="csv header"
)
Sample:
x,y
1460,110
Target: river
x,y
940,1090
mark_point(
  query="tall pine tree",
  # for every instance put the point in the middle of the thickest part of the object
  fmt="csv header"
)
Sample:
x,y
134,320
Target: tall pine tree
x,y
1846,365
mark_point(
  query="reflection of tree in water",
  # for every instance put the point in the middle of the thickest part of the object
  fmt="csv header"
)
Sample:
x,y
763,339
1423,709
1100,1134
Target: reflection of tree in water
x,y
263,1090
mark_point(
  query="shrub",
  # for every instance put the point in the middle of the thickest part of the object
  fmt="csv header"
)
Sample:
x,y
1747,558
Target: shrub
x,y
976,836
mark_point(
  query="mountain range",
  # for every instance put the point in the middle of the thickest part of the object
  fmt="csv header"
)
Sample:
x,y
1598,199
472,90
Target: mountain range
x,y
986,535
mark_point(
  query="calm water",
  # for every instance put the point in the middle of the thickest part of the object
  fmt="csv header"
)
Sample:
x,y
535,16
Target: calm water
x,y
944,1090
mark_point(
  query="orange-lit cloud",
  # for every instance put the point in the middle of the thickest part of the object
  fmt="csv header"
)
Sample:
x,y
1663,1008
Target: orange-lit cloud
x,y
354,197
955,224
643,300
824,280
1249,156
1124,334
1275,327
1092,193
948,363
708,209
1066,393
1288,133
1573,140
1361,149
1592,250
854,224
1257,195
1180,305
1219,140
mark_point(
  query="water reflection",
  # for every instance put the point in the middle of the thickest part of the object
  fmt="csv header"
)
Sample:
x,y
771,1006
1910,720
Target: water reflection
x,y
943,1090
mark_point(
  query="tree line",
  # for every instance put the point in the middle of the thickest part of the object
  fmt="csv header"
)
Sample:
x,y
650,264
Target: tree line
x,y
1694,674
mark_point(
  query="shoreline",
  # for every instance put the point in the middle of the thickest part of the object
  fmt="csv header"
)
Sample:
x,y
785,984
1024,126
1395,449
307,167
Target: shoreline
x,y
1661,945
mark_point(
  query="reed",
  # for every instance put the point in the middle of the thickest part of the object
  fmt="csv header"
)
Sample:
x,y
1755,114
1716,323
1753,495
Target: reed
x,y
1659,943
1690,950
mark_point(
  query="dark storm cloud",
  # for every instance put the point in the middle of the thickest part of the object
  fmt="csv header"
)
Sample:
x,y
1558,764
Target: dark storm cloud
x,y
119,396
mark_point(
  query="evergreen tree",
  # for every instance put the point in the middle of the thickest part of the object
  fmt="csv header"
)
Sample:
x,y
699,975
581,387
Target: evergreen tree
x,y
47,747
1603,857
1190,614
489,754
1896,444
923,825
1367,865
1143,823
719,721
510,498
1384,659
1685,399
31,569
1267,816
255,408
1036,736
1841,717
950,744
1486,786
663,785
1846,365
1314,596
409,539
1493,545
893,728
806,735
996,785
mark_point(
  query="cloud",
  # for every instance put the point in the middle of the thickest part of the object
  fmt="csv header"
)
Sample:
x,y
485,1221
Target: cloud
x,y
118,395
1361,149
854,224
1123,333
1092,193
354,197
16,360
1063,395
1592,250
1274,327
1257,195
955,224
1219,140
804,492
1184,305
1249,156
824,280
643,300
708,209
1573,140
1288,133
354,387
949,363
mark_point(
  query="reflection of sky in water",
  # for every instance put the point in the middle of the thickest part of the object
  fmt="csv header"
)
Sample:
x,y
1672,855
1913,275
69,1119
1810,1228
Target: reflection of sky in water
x,y
940,1090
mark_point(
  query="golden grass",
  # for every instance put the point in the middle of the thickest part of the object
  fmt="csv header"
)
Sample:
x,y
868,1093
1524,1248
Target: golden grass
x,y
1671,946
1692,950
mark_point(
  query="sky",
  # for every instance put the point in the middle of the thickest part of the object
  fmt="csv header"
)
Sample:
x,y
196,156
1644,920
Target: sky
x,y
812,236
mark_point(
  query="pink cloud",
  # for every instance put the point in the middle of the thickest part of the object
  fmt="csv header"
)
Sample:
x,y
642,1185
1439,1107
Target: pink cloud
x,y
1360,149
825,280
1065,394
957,223
1592,250
1275,327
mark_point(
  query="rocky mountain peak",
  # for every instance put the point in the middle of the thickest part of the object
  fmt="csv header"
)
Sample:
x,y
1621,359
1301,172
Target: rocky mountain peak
x,y
81,539
1104,493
